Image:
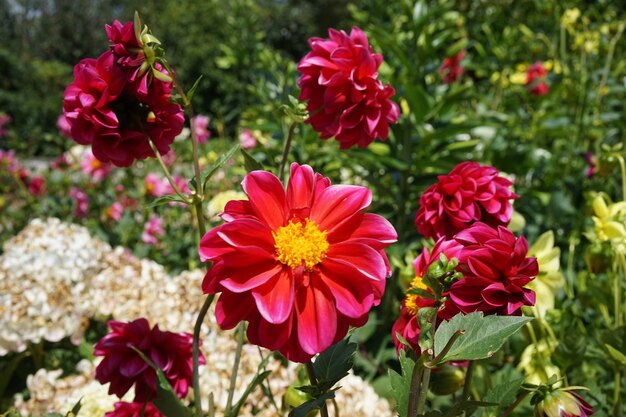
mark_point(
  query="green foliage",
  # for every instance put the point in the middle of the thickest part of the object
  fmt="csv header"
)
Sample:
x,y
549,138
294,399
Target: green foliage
x,y
401,383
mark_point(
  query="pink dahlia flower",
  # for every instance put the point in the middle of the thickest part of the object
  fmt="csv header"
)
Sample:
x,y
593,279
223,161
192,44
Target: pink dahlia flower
x,y
201,126
137,409
407,325
81,202
106,112
122,366
451,68
495,271
153,231
535,79
469,193
94,168
156,186
344,97
301,265
8,162
37,186
247,139
115,211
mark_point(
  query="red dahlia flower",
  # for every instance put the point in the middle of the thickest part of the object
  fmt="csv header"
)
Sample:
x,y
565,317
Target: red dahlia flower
x,y
535,79
407,325
105,111
451,68
469,193
122,366
495,271
344,97
300,265
137,409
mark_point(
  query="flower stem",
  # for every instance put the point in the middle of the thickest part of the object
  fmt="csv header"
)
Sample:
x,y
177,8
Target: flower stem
x,y
468,379
196,357
167,173
233,375
433,363
518,400
283,162
416,378
311,372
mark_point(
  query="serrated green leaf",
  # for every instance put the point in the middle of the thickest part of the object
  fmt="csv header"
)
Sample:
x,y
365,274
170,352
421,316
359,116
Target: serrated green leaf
x,y
482,337
505,393
401,383
334,363
315,404
250,163
208,173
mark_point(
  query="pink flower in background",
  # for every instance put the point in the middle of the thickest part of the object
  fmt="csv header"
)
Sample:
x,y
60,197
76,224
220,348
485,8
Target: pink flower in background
x,y
451,68
8,162
469,193
495,271
115,211
106,112
37,186
156,186
169,158
122,366
153,231
201,127
94,168
301,265
81,202
137,409
61,162
63,126
4,120
344,97
535,79
592,164
247,139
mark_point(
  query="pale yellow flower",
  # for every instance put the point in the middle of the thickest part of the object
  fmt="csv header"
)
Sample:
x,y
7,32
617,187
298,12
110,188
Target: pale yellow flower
x,y
216,205
610,222
550,279
569,18
536,363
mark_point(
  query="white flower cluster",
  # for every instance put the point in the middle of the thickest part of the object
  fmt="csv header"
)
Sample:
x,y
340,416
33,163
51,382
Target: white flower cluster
x,y
102,283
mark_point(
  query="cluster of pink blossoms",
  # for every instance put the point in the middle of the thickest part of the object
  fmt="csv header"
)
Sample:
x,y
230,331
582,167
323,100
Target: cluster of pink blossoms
x,y
120,98
466,211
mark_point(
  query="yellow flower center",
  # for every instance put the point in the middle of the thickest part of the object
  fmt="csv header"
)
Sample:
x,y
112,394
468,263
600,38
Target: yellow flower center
x,y
300,243
410,302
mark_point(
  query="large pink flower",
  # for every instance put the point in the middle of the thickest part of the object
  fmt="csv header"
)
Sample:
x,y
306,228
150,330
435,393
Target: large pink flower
x,y
407,325
122,366
137,409
495,271
301,265
344,97
104,110
469,193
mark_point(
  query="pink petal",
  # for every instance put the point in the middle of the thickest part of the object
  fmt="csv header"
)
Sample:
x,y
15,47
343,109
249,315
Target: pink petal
x,y
267,197
317,318
274,299
337,203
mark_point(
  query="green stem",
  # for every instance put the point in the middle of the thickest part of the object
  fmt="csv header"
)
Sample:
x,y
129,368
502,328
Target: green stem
x,y
622,166
233,375
283,162
416,378
433,363
311,372
424,385
518,400
609,59
617,289
167,173
196,357
468,379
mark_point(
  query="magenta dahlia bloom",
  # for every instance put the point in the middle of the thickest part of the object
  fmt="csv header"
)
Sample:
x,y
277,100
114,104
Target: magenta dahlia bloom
x,y
344,97
136,409
105,111
495,271
122,366
301,265
469,193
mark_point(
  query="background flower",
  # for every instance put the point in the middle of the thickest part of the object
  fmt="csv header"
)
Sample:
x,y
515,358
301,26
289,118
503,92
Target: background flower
x,y
301,265
153,231
201,126
136,409
451,68
344,97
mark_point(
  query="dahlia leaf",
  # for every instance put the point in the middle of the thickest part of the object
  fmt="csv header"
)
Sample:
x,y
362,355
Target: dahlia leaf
x,y
208,173
401,383
505,392
166,199
424,318
250,163
74,411
304,409
482,336
334,363
193,89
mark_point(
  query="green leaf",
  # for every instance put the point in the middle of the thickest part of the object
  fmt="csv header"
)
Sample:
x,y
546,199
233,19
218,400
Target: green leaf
x,y
166,199
12,412
505,393
250,163
334,363
208,173
257,380
401,384
166,399
315,404
74,411
616,355
193,89
482,337
425,319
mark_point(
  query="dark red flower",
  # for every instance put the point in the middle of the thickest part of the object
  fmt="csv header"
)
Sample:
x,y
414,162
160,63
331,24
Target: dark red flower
x,y
136,409
495,271
451,68
344,97
123,367
535,79
37,186
105,111
469,193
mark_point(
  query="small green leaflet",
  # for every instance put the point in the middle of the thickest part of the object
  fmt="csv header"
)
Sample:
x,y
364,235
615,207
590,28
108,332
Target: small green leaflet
x,y
400,384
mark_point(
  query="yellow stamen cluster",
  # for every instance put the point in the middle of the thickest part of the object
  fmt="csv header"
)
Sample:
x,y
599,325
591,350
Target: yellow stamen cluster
x,y
410,302
300,243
